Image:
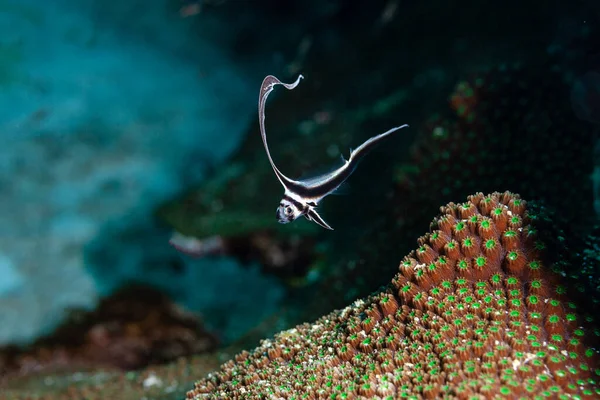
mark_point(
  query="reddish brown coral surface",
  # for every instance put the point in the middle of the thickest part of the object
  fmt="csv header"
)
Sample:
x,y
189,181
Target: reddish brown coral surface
x,y
475,312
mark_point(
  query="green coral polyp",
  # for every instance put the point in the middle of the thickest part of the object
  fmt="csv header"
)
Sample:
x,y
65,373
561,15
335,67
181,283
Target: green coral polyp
x,y
510,234
491,244
554,303
554,319
589,353
534,265
536,284
514,314
556,338
480,261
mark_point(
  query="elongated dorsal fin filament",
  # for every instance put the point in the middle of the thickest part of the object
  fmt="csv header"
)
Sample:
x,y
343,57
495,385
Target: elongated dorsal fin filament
x,y
266,88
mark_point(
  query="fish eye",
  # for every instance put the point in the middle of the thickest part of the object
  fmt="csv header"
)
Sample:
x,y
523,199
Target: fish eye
x,y
288,210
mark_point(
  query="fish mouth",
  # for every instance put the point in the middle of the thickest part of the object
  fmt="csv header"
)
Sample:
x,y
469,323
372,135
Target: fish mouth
x,y
282,219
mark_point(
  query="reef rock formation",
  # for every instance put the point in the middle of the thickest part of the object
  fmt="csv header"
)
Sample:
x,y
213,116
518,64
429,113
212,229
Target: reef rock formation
x,y
482,308
136,327
490,305
510,126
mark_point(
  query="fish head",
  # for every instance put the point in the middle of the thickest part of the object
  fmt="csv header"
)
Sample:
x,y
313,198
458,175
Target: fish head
x,y
287,211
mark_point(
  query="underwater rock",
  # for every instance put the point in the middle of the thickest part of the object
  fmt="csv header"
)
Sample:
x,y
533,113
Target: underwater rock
x,y
502,135
135,327
496,133
481,307
287,257
231,297
509,324
343,103
101,108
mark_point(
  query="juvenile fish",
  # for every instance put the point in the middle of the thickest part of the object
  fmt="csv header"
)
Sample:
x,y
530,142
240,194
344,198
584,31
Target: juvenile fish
x,y
301,197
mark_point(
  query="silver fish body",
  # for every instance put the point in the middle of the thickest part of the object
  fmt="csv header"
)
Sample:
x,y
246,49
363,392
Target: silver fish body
x,y
301,197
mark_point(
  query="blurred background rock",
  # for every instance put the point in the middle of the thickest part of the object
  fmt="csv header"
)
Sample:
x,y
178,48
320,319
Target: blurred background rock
x,y
107,109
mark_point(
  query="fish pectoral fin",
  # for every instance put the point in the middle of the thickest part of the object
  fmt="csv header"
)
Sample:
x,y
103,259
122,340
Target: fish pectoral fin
x,y
313,215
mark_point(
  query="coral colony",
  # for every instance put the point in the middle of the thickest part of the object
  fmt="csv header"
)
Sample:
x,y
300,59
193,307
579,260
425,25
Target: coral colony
x,y
476,310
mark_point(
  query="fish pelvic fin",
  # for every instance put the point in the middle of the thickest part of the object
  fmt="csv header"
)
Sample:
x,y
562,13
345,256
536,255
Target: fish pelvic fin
x,y
369,144
313,215
266,88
